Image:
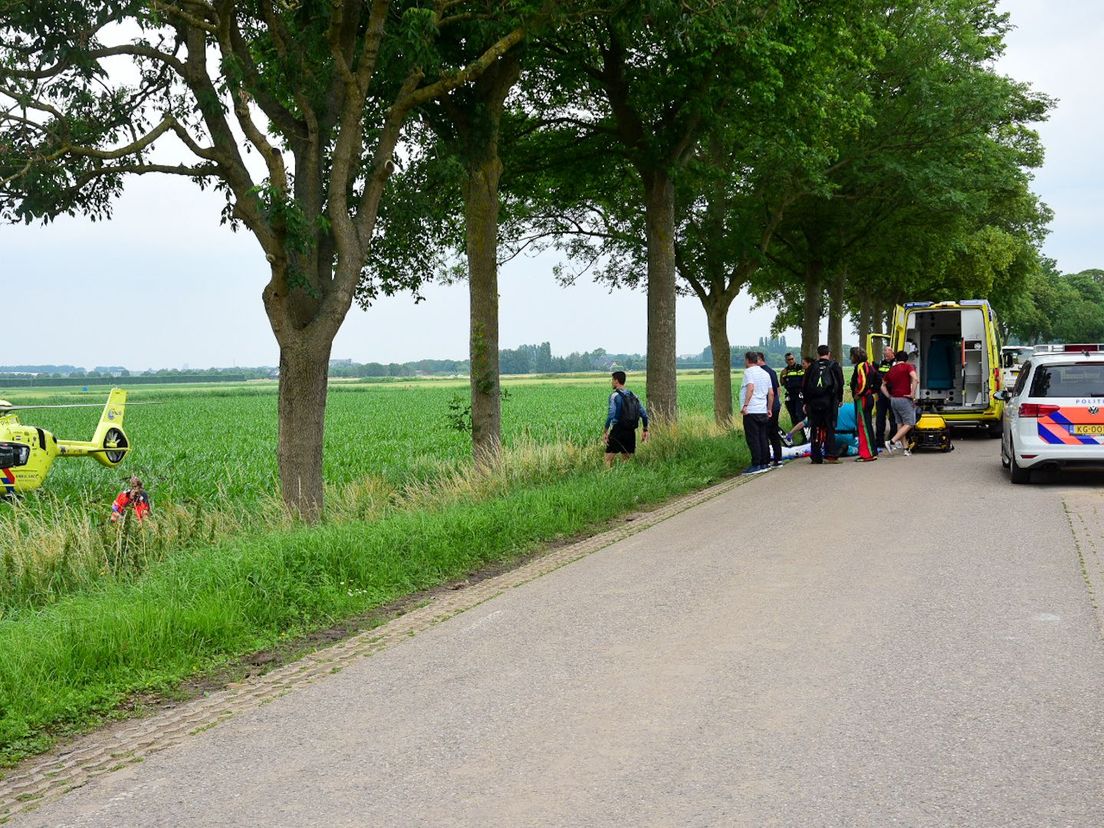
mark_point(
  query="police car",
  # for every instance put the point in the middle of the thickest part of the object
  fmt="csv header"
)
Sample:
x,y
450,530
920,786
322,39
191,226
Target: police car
x,y
1054,415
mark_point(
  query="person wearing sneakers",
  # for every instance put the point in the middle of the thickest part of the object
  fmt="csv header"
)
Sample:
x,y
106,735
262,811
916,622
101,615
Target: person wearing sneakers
x,y
822,391
774,431
757,401
901,386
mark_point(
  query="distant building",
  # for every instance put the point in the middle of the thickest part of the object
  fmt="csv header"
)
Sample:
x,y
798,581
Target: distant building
x,y
111,371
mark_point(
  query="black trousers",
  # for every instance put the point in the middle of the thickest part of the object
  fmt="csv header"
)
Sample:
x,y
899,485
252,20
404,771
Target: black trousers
x,y
822,422
884,413
793,406
774,436
755,432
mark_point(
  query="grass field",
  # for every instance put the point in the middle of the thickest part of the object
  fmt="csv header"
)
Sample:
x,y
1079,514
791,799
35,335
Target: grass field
x,y
215,445
90,615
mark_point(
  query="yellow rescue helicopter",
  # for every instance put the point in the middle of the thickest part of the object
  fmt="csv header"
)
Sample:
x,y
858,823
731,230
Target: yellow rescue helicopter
x,y
27,452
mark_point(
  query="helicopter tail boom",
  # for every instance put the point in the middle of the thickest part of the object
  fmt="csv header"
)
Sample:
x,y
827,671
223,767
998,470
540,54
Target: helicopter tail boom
x,y
109,444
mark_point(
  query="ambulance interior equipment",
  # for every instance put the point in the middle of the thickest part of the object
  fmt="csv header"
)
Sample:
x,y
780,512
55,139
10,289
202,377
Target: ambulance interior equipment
x,y
951,357
955,348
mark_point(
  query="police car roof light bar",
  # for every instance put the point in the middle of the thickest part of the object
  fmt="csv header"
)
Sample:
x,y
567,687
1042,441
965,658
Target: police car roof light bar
x,y
1084,349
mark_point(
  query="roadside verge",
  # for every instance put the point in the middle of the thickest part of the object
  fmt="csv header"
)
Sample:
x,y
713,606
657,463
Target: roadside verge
x,y
120,744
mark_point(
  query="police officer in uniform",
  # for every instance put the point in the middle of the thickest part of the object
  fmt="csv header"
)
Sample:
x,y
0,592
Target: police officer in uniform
x,y
882,407
791,378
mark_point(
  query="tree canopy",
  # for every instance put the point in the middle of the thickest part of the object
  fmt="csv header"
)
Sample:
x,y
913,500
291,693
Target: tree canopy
x,y
851,154
317,92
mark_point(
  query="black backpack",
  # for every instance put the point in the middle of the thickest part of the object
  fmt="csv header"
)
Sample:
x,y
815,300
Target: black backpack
x,y
630,410
822,381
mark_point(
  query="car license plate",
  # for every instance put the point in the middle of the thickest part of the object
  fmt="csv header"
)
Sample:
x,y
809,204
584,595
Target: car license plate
x,y
1088,429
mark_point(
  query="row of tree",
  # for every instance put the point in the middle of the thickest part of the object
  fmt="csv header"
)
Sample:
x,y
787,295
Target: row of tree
x,y
830,157
1058,308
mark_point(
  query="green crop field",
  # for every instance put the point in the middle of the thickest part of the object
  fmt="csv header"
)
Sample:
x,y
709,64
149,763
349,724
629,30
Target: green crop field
x,y
215,444
206,454
92,613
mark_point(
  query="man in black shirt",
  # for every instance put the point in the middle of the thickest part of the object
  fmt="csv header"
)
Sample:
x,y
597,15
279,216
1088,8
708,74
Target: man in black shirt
x,y
822,390
791,377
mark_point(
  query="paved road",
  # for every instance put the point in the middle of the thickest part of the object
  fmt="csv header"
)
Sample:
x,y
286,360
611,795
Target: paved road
x,y
940,665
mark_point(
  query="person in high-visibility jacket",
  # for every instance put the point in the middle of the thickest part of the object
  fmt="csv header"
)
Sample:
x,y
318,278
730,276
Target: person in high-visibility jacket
x,y
882,407
133,497
791,378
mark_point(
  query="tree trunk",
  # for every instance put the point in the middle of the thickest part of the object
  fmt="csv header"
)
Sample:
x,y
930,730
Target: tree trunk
x,y
835,316
866,315
662,385
814,309
304,369
481,227
717,318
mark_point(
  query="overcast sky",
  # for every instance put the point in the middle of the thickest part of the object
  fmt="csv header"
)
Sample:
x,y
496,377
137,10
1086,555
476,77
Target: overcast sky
x,y
163,285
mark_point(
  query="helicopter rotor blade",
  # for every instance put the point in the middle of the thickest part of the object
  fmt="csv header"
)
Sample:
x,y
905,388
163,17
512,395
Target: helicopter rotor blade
x,y
4,408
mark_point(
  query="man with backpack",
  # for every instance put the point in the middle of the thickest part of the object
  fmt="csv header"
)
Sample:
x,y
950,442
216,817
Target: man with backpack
x,y
624,415
822,390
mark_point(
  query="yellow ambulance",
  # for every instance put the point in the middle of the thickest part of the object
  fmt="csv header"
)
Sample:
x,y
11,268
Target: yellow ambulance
x,y
955,347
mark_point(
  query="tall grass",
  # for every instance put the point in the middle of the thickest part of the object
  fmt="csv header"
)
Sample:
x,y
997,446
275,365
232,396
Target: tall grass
x,y
70,663
50,553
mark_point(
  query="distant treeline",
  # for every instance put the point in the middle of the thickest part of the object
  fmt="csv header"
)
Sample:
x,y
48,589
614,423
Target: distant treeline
x,y
539,359
525,359
139,379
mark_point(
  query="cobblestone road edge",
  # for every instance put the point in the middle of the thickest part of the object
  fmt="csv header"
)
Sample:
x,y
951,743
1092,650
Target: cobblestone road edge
x,y
77,762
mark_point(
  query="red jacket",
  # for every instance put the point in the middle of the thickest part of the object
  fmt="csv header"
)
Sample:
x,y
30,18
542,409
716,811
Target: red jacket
x,y
140,503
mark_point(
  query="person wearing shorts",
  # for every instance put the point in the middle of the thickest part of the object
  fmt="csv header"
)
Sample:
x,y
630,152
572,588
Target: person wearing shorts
x,y
901,385
619,437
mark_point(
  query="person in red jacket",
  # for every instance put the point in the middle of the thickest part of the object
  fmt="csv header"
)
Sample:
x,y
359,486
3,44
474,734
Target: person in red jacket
x,y
135,498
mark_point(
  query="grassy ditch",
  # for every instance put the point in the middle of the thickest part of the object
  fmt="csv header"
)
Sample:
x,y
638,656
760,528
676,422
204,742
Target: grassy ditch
x,y
206,457
67,666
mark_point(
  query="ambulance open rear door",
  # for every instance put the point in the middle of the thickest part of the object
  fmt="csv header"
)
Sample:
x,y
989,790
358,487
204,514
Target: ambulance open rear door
x,y
876,344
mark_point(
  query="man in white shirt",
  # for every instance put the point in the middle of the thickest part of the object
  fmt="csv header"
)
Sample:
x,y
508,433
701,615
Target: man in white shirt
x,y
756,403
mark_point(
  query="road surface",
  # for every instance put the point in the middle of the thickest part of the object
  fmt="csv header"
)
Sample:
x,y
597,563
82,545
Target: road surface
x,y
907,642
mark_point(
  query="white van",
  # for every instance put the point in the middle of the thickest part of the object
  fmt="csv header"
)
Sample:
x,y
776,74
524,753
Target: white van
x,y
1012,357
